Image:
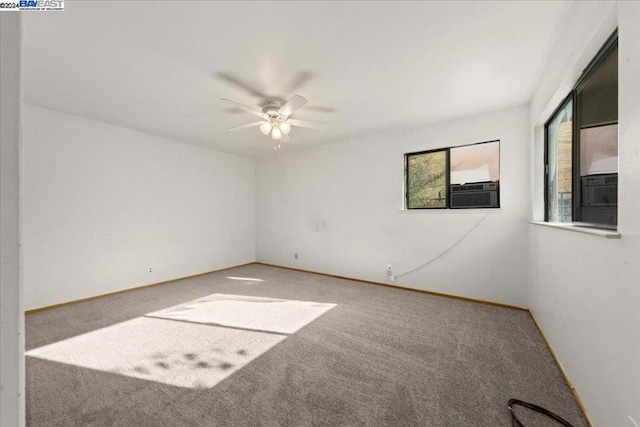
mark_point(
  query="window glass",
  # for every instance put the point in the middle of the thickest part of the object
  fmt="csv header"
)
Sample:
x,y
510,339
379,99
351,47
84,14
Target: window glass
x,y
475,163
598,93
559,132
597,144
427,180
599,150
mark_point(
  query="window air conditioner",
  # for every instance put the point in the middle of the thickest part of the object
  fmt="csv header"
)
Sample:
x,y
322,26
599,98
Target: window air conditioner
x,y
600,190
478,195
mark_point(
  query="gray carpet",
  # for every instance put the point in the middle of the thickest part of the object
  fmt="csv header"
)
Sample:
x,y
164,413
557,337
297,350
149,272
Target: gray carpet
x,y
379,357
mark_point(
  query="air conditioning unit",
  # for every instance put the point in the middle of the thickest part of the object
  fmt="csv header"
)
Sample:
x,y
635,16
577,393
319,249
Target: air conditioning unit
x,y
600,190
599,199
478,195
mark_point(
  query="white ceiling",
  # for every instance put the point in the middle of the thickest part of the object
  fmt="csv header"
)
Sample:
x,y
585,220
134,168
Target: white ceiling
x,y
160,67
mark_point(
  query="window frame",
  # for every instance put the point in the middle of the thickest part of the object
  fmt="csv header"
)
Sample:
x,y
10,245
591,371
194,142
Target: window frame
x,y
576,189
447,151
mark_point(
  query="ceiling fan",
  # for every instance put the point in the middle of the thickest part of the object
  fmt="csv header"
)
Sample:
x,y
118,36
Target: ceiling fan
x,y
276,118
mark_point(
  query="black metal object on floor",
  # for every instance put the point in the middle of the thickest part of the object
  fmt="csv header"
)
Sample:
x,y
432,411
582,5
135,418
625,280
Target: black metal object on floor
x,y
515,422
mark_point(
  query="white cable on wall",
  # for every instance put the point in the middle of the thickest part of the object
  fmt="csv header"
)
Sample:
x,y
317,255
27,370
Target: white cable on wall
x,y
446,250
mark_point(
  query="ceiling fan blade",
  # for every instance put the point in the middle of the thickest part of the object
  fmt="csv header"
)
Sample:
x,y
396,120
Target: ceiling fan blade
x,y
242,85
250,125
292,105
245,108
307,124
320,109
300,80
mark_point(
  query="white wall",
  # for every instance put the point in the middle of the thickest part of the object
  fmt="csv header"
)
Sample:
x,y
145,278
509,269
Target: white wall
x,y
11,302
102,203
584,290
340,208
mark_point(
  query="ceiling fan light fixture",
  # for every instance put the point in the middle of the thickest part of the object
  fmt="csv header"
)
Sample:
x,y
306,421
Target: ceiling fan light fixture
x,y
285,128
276,120
265,128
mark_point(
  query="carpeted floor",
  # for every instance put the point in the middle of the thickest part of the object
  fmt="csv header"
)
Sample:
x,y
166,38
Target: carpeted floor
x,y
379,357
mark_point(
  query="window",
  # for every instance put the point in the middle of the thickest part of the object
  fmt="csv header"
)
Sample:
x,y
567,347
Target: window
x,y
427,180
475,163
559,135
458,177
596,141
581,149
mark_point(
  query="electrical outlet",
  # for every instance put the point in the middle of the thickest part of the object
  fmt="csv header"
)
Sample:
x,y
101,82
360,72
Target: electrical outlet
x,y
390,275
149,270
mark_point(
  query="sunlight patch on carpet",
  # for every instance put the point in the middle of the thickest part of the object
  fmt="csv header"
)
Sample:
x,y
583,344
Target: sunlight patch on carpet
x,y
194,345
245,279
254,313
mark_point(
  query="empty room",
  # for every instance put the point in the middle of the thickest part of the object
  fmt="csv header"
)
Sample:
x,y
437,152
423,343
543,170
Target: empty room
x,y
322,213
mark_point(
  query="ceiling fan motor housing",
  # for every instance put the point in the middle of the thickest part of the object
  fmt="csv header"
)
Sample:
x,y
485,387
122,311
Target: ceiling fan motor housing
x,y
272,109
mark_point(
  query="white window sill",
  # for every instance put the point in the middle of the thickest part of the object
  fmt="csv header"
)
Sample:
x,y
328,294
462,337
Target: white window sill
x,y
609,234
450,211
